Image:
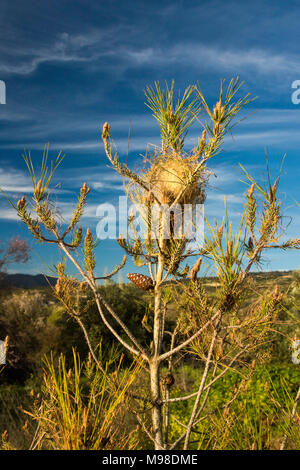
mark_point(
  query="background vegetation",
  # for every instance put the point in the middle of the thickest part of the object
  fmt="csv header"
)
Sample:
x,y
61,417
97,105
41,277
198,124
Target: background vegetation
x,y
175,361
256,419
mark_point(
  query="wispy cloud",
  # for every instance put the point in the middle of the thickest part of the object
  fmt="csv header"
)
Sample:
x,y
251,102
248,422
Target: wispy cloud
x,y
8,213
102,186
197,54
93,146
14,181
64,211
66,48
98,44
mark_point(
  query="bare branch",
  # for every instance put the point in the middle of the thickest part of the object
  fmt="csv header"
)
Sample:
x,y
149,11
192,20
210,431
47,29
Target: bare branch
x,y
200,390
189,340
97,296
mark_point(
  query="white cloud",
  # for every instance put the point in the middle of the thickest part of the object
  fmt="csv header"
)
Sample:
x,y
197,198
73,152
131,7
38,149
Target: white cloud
x,y
14,181
232,198
93,146
272,116
65,210
66,48
201,54
101,185
8,213
97,44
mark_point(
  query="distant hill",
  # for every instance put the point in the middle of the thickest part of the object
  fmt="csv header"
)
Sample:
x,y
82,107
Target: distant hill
x,y
27,281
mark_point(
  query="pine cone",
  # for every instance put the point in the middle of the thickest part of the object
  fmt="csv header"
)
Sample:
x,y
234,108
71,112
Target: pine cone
x,y
168,380
143,282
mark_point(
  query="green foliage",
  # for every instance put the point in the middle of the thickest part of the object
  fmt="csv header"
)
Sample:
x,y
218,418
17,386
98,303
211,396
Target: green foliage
x,y
128,301
173,120
223,333
15,429
23,318
256,419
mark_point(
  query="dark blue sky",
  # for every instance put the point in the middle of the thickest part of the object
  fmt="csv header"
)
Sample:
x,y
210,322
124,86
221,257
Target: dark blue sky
x,y
69,66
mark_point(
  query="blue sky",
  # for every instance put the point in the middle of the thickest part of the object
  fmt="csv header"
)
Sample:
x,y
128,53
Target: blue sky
x,y
69,66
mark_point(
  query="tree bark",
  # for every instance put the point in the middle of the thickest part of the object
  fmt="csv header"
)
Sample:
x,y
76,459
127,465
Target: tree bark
x,y
156,409
157,422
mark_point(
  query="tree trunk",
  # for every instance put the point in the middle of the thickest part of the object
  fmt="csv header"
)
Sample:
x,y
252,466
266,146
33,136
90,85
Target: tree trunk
x,y
156,410
157,422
